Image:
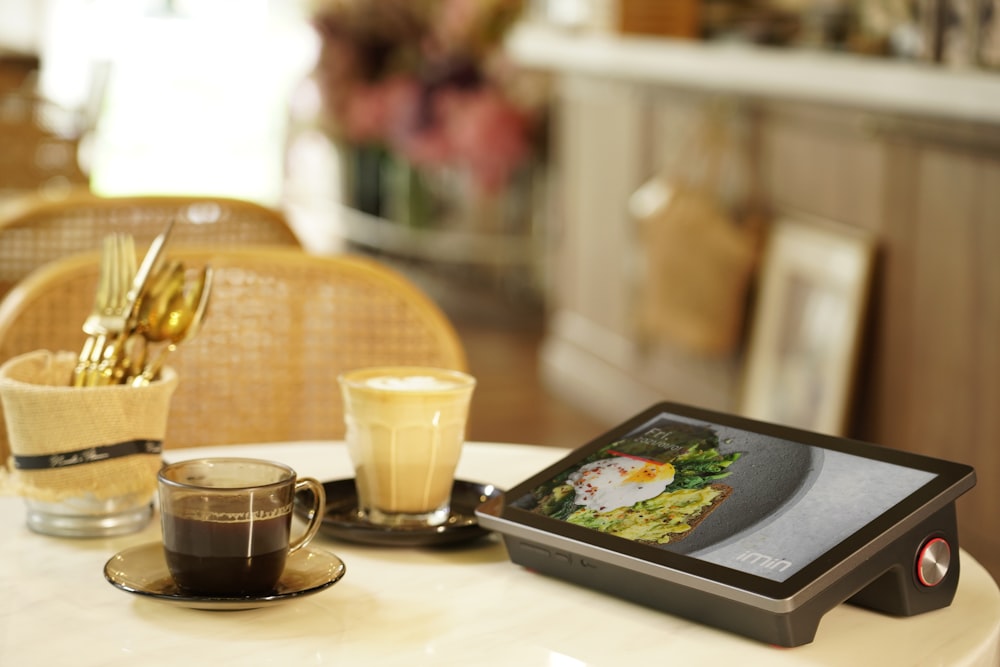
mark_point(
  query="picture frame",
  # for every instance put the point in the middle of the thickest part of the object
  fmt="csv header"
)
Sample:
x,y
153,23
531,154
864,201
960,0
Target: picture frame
x,y
959,31
988,43
806,329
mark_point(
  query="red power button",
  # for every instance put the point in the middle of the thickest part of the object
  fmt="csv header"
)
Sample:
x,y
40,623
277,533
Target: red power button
x,y
933,561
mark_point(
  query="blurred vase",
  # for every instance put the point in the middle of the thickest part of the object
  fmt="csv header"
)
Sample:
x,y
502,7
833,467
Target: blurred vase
x,y
361,168
382,184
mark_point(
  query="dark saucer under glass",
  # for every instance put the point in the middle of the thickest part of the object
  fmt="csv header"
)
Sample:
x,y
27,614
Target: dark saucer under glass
x,y
342,520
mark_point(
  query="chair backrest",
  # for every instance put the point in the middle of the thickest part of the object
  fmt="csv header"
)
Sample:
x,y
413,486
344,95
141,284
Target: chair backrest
x,y
281,325
36,229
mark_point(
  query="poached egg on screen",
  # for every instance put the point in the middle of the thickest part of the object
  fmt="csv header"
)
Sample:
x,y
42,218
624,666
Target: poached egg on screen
x,y
619,482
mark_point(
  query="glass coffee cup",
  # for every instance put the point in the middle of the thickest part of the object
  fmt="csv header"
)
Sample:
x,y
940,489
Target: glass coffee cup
x,y
405,431
227,523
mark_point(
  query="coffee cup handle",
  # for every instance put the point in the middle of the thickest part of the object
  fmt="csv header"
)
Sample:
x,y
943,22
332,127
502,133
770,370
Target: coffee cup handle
x,y
315,516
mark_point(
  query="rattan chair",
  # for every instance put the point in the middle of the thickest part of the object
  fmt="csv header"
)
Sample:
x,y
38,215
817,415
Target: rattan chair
x,y
36,228
281,325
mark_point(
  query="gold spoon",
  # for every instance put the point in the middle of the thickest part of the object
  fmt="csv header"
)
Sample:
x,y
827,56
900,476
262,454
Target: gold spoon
x,y
155,306
182,322
122,359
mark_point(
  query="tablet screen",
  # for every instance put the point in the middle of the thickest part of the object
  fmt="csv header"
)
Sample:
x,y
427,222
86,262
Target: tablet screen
x,y
753,502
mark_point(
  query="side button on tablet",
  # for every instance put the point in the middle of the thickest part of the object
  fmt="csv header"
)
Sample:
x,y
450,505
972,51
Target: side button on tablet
x,y
535,549
933,561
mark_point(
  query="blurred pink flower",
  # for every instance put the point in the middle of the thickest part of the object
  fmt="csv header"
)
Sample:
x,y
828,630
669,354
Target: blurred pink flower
x,y
488,135
420,77
371,111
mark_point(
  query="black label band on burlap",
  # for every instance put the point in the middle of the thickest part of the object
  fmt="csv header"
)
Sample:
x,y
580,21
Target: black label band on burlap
x,y
88,455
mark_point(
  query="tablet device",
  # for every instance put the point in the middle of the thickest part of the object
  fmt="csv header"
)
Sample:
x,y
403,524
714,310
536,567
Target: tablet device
x,y
748,526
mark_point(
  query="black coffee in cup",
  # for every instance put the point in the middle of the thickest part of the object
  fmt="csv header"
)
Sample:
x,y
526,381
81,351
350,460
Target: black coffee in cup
x,y
236,558
227,523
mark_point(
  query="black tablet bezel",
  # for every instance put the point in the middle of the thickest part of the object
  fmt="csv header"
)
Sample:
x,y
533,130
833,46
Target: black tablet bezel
x,y
950,481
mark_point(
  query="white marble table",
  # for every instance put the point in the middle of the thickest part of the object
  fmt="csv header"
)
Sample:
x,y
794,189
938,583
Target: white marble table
x,y
467,606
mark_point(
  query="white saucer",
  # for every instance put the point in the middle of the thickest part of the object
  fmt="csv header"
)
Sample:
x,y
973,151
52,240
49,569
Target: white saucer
x,y
142,570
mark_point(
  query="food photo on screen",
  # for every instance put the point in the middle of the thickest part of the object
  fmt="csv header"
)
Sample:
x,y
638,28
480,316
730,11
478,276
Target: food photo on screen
x,y
748,501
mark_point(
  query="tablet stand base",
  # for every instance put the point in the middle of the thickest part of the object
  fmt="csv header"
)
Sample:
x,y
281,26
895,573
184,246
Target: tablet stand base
x,y
915,573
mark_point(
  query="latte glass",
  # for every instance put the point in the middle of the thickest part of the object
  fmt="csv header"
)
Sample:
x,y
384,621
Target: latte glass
x,y
405,431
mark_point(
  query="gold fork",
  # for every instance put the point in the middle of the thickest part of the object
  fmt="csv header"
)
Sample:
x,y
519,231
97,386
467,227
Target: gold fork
x,y
107,323
105,301
110,358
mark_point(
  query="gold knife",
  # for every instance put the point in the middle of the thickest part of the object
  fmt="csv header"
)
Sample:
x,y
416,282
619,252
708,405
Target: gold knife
x,y
112,364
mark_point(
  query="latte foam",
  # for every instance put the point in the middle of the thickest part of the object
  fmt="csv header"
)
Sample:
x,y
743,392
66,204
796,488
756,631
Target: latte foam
x,y
410,383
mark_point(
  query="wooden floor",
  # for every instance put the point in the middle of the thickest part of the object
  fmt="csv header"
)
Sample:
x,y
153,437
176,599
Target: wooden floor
x,y
510,403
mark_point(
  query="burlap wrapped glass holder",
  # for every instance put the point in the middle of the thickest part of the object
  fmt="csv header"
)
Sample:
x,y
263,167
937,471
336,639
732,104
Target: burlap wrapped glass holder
x,y
84,458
